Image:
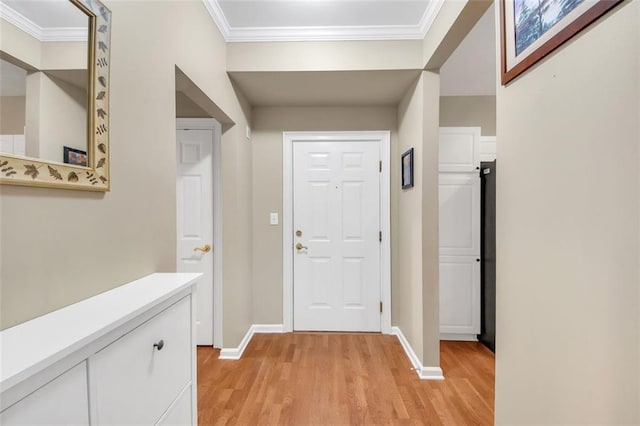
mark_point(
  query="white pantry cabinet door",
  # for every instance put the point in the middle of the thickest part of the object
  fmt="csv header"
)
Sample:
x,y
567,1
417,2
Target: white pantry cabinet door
x,y
459,295
459,224
459,149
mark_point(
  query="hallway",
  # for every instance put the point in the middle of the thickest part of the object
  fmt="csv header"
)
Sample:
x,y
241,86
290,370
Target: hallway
x,y
343,379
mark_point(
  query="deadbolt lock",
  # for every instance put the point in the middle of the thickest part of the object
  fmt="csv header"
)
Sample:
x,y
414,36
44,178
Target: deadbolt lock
x,y
298,233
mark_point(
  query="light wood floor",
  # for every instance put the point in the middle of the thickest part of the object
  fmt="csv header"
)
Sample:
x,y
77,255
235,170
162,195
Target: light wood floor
x,y
342,379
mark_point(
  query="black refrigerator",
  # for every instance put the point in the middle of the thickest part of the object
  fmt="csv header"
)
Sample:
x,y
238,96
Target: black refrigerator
x,y
488,254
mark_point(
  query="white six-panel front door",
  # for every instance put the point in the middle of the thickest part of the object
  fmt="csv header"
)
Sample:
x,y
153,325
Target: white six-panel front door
x,y
194,196
336,217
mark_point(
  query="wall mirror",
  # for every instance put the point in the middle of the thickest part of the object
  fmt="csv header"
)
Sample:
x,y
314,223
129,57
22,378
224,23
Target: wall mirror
x,y
54,93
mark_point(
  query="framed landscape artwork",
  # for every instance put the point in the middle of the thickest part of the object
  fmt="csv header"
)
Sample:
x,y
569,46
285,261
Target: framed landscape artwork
x,y
531,29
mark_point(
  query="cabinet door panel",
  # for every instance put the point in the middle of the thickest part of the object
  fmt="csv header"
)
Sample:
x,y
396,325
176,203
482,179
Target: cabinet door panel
x,y
136,382
64,400
459,225
459,149
459,295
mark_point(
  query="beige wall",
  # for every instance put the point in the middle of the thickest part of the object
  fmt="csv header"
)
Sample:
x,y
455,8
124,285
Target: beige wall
x,y
430,220
451,25
568,322
58,119
406,296
325,56
64,55
43,56
415,291
12,112
19,44
466,111
268,125
60,246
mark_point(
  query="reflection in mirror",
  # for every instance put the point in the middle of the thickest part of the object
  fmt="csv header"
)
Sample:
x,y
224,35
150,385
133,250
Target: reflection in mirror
x,y
44,84
61,49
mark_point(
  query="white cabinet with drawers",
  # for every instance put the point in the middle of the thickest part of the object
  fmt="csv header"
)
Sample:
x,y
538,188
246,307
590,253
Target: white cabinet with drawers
x,y
126,356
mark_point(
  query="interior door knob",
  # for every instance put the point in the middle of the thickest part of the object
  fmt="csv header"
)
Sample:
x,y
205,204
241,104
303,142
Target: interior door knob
x,y
299,247
205,248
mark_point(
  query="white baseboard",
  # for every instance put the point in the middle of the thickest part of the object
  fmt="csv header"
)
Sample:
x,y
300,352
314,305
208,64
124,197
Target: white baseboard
x,y
459,337
236,353
268,328
426,373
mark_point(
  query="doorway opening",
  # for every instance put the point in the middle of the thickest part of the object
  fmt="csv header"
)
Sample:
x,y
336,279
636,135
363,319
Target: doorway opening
x,y
468,135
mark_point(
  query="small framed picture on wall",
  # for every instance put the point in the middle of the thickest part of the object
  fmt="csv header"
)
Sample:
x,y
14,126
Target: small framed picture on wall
x,y
407,169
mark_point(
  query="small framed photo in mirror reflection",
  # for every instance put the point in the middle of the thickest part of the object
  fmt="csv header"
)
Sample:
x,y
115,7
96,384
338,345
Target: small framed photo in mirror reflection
x,y
74,156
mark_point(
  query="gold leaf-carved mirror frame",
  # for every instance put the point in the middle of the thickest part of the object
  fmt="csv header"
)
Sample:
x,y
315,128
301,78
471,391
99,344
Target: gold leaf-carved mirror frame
x,y
25,171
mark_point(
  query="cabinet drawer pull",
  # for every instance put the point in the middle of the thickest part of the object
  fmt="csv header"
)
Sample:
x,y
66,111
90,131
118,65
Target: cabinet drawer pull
x,y
159,345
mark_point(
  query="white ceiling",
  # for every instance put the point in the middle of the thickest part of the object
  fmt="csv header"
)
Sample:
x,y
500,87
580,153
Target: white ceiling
x,y
270,13
471,70
300,20
49,13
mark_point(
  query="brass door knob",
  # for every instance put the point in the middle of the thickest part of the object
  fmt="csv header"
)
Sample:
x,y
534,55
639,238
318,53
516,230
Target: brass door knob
x,y
205,248
299,247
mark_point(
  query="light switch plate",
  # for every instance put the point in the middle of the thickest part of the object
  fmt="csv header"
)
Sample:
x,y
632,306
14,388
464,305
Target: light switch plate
x,y
274,218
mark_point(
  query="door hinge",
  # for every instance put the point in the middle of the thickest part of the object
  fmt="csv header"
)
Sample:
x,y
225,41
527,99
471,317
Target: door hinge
x,y
380,166
380,236
380,307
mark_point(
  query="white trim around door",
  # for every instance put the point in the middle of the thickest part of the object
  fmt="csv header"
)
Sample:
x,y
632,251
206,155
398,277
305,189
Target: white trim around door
x,y
288,139
212,124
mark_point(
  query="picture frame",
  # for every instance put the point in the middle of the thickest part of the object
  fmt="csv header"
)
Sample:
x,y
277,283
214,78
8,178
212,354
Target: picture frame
x,y
532,29
74,156
406,161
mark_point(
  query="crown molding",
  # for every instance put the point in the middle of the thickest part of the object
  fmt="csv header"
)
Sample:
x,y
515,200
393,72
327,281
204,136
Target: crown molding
x,y
429,15
323,33
215,11
28,26
39,33
64,34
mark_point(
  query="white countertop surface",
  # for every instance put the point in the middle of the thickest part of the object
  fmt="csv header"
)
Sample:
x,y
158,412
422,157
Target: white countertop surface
x,y
32,346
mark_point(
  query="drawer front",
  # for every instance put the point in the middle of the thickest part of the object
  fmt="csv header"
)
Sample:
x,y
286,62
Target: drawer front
x,y
64,400
135,382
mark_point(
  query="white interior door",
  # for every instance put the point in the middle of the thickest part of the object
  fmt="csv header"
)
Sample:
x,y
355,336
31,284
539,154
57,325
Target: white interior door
x,y
336,217
194,194
459,234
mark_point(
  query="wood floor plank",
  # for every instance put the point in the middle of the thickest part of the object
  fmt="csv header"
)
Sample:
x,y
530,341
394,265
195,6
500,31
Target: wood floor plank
x,y
342,379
